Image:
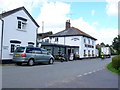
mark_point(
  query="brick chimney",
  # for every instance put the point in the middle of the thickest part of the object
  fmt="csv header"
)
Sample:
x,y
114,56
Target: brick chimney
x,y
68,24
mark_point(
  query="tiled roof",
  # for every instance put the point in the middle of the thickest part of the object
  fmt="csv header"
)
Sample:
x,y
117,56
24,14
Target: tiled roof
x,y
72,32
5,14
44,35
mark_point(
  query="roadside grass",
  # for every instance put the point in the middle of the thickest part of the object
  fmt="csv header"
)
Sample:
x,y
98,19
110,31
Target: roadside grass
x,y
110,67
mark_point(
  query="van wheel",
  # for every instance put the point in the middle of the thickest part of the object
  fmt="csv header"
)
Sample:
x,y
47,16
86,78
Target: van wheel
x,y
31,62
51,61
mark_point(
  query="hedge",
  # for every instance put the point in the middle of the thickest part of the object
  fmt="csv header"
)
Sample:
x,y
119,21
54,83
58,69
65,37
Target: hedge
x,y
116,62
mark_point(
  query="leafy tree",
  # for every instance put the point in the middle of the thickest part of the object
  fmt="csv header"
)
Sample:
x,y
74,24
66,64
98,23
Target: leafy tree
x,y
116,44
102,44
107,45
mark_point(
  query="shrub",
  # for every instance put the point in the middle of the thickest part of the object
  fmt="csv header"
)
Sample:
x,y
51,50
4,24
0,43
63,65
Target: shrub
x,y
116,62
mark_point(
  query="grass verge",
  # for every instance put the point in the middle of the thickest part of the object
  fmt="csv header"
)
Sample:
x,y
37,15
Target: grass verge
x,y
109,66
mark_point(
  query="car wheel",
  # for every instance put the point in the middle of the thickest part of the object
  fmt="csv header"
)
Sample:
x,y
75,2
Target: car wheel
x,y
51,61
31,62
18,63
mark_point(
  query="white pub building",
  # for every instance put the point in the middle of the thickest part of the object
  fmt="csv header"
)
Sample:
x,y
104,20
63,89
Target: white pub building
x,y
73,37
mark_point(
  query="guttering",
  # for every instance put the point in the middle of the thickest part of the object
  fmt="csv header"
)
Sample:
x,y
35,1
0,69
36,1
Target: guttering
x,y
2,37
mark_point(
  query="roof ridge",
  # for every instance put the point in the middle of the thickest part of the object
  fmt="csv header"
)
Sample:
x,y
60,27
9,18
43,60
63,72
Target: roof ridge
x,y
72,31
5,14
82,31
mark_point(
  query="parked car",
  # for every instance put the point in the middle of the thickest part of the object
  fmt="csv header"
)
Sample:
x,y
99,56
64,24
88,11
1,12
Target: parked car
x,y
31,55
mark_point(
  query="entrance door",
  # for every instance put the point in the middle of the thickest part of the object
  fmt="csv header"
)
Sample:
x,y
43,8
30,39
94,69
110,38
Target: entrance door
x,y
69,51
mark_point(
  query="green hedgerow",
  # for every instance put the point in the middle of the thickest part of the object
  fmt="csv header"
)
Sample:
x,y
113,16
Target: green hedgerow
x,y
116,62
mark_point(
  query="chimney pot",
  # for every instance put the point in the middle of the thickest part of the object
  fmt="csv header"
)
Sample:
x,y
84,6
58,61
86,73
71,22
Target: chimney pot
x,y
68,24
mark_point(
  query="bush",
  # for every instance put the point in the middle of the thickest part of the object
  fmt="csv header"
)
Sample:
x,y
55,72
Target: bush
x,y
116,62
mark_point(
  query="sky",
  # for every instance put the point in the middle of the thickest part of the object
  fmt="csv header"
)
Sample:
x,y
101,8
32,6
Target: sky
x,y
98,18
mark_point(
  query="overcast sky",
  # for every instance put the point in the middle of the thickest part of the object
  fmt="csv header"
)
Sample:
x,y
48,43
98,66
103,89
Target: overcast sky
x,y
99,18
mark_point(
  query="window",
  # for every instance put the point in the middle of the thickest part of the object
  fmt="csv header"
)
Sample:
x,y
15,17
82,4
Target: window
x,y
46,40
86,45
30,50
56,39
92,42
84,51
14,45
37,50
88,41
44,51
19,24
92,52
84,40
33,50
22,25
88,51
20,49
12,48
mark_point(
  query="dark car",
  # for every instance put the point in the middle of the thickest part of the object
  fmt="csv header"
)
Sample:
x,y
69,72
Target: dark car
x,y
31,55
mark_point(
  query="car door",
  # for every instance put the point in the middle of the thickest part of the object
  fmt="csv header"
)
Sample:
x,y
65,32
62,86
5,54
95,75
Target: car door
x,y
38,55
30,53
45,55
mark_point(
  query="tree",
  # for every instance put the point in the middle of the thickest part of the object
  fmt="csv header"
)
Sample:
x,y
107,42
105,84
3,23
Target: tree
x,y
107,45
102,44
116,44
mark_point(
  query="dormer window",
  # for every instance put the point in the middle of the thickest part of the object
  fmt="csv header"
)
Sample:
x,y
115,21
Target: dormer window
x,y
22,22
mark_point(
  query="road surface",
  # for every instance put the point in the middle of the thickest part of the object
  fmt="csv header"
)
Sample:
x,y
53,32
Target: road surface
x,y
86,73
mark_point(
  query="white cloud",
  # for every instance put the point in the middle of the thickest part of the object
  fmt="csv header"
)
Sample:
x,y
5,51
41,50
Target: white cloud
x,y
107,35
54,15
112,7
84,26
6,5
95,23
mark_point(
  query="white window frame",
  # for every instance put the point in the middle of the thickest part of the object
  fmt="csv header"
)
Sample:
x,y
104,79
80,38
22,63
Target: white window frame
x,y
92,42
85,40
23,25
15,46
56,39
89,41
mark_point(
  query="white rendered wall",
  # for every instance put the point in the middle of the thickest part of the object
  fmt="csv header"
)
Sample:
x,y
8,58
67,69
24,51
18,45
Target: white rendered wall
x,y
70,40
12,33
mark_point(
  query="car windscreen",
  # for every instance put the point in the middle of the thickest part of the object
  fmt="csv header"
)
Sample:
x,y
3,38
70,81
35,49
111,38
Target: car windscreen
x,y
20,49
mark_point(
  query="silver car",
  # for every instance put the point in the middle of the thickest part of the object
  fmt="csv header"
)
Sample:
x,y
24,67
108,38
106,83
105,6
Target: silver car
x,y
31,55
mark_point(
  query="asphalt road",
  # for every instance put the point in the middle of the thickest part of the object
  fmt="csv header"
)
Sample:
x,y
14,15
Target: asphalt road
x,y
73,74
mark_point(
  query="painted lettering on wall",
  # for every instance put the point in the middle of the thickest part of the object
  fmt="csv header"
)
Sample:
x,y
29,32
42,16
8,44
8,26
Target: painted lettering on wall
x,y
75,39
